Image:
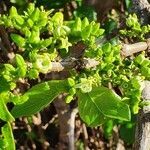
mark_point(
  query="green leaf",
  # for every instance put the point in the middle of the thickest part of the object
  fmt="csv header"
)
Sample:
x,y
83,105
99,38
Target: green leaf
x,y
31,8
100,103
35,36
4,84
19,40
46,42
86,32
39,96
145,63
145,71
4,113
139,59
35,15
22,67
2,143
13,12
20,61
108,128
127,132
19,20
77,25
100,32
95,28
71,82
58,18
8,137
9,68
43,18
107,48
33,73
85,23
89,111
30,23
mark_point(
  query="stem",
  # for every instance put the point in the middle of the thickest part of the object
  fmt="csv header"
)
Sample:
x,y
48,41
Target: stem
x,y
73,63
66,118
142,136
127,50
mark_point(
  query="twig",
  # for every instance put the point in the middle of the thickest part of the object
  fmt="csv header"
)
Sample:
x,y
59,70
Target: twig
x,y
130,49
127,50
73,63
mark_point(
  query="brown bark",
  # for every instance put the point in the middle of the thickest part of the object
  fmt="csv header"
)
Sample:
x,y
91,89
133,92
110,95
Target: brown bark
x,y
66,118
142,136
142,9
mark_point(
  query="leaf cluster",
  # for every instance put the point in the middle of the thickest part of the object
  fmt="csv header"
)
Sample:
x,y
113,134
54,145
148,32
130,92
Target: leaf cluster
x,y
43,37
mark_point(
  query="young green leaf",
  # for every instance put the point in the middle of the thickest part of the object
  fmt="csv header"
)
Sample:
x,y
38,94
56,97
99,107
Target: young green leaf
x,y
22,67
13,12
35,14
100,103
77,24
8,137
35,36
86,32
39,96
46,42
19,40
85,23
58,19
107,48
20,61
19,20
4,113
33,73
